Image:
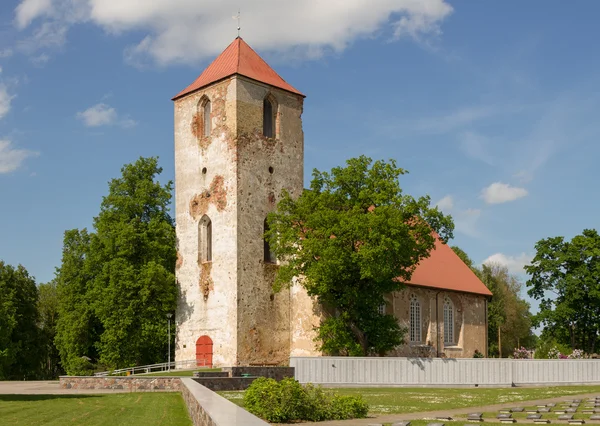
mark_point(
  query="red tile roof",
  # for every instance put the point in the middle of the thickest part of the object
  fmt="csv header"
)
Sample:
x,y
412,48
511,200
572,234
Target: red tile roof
x,y
238,58
444,270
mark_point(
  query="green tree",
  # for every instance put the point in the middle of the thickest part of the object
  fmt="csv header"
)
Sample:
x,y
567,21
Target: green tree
x,y
19,335
464,257
509,317
565,278
48,316
77,327
353,238
117,284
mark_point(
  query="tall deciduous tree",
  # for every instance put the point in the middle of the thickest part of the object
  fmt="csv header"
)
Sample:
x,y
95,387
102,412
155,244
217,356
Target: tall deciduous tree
x,y
48,316
20,354
565,278
117,284
353,238
509,316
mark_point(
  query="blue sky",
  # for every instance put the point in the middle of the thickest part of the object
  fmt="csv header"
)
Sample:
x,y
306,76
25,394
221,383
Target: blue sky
x,y
491,105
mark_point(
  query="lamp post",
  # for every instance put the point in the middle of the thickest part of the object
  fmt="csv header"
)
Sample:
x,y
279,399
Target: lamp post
x,y
169,316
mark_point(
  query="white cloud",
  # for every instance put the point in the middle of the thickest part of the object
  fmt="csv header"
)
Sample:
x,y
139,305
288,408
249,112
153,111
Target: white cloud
x,y
514,264
5,100
49,35
499,192
465,220
28,10
186,31
11,158
104,115
446,203
40,60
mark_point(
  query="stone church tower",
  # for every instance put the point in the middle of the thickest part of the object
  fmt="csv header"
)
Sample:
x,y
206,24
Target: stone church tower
x,y
238,144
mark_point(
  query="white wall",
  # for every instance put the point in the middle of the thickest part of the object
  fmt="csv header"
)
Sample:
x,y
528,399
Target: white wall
x,y
445,372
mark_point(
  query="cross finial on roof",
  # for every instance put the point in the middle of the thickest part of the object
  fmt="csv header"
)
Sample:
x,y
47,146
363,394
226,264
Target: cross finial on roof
x,y
238,17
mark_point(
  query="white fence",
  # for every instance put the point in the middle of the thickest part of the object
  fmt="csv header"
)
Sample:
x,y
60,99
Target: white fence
x,y
351,371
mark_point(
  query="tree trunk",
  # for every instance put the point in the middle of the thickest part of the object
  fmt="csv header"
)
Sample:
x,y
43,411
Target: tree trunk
x,y
499,344
362,339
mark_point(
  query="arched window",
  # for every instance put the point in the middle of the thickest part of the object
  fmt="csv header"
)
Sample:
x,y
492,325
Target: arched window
x,y
268,118
448,322
205,239
268,253
206,118
415,320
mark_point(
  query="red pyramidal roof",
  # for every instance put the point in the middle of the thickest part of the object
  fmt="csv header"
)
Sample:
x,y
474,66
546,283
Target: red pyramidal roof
x,y
444,270
238,58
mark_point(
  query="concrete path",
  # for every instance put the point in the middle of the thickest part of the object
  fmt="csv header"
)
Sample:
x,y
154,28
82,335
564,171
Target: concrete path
x,y
457,413
46,388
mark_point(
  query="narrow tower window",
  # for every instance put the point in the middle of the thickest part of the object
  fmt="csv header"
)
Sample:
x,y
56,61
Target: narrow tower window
x,y
268,253
268,122
448,322
206,118
205,239
415,320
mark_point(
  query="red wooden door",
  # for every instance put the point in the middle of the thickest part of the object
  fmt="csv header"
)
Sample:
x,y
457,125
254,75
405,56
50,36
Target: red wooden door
x,y
204,351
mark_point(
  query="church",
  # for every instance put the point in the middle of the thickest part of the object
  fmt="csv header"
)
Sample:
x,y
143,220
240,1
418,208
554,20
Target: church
x,y
238,143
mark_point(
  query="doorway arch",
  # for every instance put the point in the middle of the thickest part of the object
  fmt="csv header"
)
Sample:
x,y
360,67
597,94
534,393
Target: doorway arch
x,y
204,351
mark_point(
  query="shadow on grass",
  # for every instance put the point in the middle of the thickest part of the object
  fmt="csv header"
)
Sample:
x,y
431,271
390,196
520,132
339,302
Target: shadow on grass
x,y
19,397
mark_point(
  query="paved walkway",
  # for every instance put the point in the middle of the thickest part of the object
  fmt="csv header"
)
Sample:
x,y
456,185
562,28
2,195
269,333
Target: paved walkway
x,y
46,388
457,413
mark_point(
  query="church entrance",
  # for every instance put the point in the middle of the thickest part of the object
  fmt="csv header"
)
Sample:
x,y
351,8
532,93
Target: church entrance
x,y
204,351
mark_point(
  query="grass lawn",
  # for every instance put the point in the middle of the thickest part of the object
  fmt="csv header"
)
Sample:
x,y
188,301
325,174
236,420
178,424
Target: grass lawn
x,y
411,400
91,410
179,373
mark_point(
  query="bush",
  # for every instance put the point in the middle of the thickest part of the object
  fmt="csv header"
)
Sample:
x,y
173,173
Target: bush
x,y
348,407
288,400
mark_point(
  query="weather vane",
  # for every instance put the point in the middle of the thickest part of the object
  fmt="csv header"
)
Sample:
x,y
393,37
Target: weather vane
x,y
238,17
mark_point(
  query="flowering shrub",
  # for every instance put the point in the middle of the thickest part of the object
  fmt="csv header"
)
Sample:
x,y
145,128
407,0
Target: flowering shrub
x,y
521,353
554,353
577,354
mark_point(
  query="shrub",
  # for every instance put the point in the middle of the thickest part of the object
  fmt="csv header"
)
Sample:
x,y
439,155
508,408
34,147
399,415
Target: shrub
x,y
288,400
348,407
477,354
521,353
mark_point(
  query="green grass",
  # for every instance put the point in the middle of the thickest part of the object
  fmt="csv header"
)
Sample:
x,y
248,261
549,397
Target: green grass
x,y
412,400
129,409
184,373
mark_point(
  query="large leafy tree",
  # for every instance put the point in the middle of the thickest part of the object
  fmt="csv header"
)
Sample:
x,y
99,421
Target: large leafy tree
x,y
48,316
565,278
353,238
509,316
20,354
117,284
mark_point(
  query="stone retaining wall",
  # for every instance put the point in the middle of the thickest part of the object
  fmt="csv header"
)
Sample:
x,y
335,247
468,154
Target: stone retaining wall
x,y
130,383
277,373
225,383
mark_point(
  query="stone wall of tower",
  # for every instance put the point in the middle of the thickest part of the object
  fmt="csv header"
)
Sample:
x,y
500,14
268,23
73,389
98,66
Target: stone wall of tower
x,y
266,166
208,290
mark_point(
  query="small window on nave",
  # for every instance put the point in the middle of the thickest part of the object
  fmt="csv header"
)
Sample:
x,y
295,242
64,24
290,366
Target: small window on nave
x,y
268,118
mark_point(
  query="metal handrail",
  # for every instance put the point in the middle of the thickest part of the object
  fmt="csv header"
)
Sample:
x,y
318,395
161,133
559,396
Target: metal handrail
x,y
163,366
